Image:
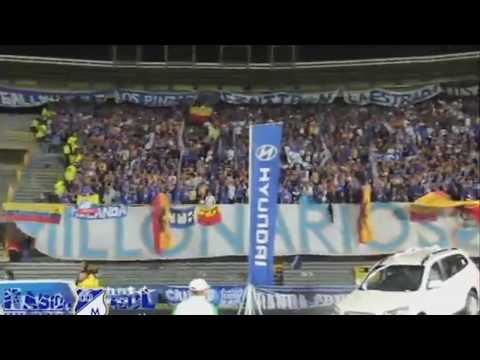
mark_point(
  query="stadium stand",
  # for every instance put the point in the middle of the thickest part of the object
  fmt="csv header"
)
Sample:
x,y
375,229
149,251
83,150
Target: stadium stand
x,y
326,151
128,154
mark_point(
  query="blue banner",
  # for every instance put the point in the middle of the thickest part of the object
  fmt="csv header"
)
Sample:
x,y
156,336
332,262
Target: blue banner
x,y
392,98
279,98
22,98
265,141
271,297
221,296
131,298
37,297
182,218
156,99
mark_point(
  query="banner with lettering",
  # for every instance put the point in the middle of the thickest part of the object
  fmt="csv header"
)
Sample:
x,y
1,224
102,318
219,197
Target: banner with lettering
x,y
279,98
461,90
38,297
270,298
155,99
391,98
265,142
23,98
300,229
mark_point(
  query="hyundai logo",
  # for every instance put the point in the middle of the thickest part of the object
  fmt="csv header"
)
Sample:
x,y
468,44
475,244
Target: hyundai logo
x,y
266,152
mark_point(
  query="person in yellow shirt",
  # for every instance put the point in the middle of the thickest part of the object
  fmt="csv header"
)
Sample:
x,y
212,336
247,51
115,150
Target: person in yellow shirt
x,y
87,278
34,125
60,188
48,113
67,151
42,132
71,173
73,142
88,281
77,158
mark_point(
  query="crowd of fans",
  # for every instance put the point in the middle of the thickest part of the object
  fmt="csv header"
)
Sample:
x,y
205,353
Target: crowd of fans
x,y
128,154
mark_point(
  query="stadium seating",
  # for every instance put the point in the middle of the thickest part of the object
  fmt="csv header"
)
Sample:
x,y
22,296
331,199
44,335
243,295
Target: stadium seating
x,y
329,151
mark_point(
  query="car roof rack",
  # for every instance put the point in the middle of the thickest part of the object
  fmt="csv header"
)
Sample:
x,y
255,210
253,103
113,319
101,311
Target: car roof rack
x,y
436,252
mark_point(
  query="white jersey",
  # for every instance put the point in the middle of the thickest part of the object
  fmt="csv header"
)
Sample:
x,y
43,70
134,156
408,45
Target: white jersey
x,y
195,305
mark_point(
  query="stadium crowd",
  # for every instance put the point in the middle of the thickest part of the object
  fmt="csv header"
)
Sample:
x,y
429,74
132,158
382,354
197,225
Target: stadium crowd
x,y
128,154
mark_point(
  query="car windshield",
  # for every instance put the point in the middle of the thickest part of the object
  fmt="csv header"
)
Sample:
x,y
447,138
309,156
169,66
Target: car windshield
x,y
395,278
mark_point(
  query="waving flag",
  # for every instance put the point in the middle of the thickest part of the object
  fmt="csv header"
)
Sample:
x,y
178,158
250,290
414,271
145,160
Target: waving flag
x,y
162,233
39,213
209,216
200,114
428,207
365,228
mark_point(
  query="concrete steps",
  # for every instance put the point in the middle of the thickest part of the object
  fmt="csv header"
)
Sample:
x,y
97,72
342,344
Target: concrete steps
x,y
44,171
7,177
320,273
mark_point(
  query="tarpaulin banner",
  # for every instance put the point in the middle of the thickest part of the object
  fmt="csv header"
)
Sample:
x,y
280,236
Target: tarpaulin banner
x,y
133,298
279,98
23,98
392,98
271,298
38,297
306,228
155,99
461,90
100,212
300,298
265,141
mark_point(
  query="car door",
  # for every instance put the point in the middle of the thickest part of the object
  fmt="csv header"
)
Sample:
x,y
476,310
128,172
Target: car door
x,y
435,301
458,280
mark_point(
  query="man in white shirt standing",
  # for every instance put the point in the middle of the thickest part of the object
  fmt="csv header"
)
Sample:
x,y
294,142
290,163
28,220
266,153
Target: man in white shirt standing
x,y
197,303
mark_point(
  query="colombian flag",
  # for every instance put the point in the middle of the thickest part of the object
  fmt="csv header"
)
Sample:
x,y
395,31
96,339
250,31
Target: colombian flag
x,y
162,233
200,114
39,213
209,216
365,228
429,206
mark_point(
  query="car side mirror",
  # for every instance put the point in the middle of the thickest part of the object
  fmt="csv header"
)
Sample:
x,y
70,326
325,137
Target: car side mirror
x,y
434,284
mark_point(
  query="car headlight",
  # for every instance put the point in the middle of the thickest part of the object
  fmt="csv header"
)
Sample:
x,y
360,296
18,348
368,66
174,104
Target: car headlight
x,y
398,311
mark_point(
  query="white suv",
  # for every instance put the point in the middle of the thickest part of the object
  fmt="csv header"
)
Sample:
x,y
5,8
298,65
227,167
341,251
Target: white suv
x,y
417,281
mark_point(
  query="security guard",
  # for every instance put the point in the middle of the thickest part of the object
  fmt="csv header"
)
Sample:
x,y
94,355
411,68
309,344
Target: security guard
x,y
48,113
76,159
42,131
197,303
34,125
67,151
71,173
73,142
60,188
